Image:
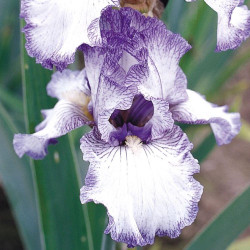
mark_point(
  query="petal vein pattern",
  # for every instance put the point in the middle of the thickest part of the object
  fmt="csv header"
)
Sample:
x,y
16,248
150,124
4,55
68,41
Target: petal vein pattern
x,y
148,191
56,28
156,49
196,110
69,113
165,78
233,22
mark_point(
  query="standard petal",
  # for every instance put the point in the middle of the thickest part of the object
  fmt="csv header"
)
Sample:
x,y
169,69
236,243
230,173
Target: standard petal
x,y
165,78
65,117
233,23
54,29
148,189
153,53
196,110
102,61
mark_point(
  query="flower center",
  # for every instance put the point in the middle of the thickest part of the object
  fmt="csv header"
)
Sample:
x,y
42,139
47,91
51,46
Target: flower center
x,y
133,142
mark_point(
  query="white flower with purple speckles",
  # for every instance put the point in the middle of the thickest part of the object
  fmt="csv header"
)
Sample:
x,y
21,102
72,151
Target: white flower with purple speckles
x,y
141,168
233,22
56,28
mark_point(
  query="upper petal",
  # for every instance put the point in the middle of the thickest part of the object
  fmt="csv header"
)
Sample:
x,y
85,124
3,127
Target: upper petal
x,y
102,61
233,23
148,189
152,53
165,78
196,110
60,120
106,77
55,28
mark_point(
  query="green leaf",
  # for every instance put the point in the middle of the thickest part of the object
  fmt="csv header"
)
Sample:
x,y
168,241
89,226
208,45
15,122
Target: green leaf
x,y
242,244
226,227
245,131
64,221
205,148
16,177
9,44
173,13
108,243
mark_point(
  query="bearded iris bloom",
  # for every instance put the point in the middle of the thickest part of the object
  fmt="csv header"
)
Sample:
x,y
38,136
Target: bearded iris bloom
x,y
233,22
131,92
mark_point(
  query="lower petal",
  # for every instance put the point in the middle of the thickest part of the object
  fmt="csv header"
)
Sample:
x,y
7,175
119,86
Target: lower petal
x,y
148,189
196,110
58,121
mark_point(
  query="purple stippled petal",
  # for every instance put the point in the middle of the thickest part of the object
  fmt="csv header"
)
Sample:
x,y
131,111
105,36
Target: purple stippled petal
x,y
151,53
100,61
54,29
148,189
94,60
196,110
111,96
121,29
67,84
165,79
233,23
65,117
162,120
108,93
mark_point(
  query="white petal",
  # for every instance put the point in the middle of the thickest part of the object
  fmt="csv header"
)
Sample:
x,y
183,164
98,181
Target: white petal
x,y
241,18
165,77
69,85
65,117
148,189
161,120
233,23
196,110
55,28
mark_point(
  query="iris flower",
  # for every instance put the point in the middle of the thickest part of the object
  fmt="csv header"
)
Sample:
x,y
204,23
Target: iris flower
x,y
233,22
131,92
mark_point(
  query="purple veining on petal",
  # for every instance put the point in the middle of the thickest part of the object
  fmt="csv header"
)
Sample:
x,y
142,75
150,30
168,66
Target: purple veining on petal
x,y
196,110
21,140
121,226
145,119
157,50
60,120
69,24
111,96
69,83
144,133
233,23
